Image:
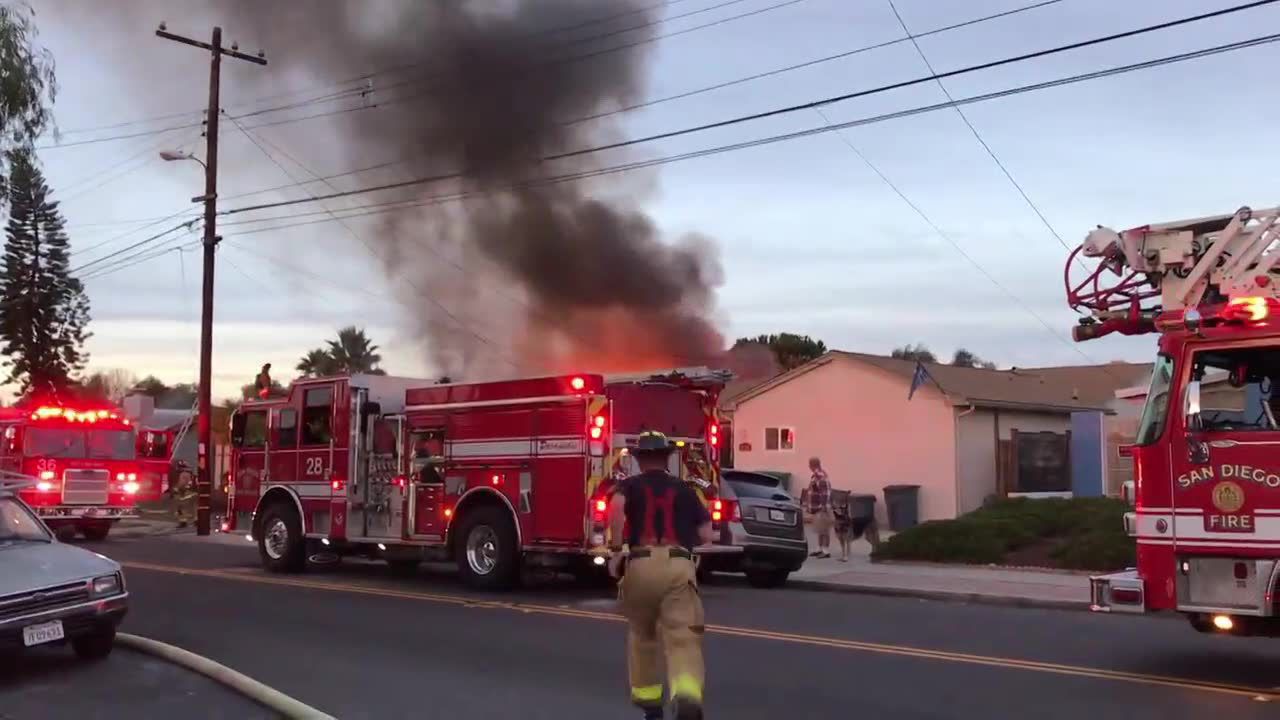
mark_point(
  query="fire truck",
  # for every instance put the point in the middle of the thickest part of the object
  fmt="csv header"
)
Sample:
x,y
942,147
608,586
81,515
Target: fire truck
x,y
84,460
494,476
1206,458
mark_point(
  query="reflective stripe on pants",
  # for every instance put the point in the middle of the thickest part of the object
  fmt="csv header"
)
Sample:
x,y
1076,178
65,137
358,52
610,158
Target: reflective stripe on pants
x,y
659,597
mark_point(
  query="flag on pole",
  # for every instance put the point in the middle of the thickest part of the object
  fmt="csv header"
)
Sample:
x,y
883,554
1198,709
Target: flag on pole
x,y
919,378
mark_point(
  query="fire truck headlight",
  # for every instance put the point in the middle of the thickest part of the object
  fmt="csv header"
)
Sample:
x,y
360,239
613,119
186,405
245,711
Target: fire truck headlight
x,y
132,476
106,585
44,486
47,475
131,488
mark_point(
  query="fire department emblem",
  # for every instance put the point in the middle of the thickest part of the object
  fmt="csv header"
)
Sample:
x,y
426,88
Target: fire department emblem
x,y
1228,497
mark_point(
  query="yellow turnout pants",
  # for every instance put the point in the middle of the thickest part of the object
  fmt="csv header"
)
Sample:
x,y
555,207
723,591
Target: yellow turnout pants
x,y
659,597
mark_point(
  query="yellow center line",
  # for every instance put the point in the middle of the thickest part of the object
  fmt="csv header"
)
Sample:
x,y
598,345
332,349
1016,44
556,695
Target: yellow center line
x,y
242,575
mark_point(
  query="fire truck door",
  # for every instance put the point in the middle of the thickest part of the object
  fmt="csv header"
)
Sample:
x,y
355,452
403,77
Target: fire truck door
x,y
1226,467
383,496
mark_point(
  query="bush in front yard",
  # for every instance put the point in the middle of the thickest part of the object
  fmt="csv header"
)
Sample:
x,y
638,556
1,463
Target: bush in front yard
x,y
1077,533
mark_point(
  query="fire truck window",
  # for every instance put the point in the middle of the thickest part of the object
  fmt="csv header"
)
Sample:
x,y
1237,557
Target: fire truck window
x,y
156,445
255,429
112,445
54,442
287,432
1236,389
317,422
1156,411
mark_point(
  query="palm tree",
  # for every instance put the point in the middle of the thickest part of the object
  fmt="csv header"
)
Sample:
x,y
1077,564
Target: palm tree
x,y
317,363
354,353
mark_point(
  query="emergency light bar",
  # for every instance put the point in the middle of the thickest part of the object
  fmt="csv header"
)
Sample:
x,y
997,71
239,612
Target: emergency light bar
x,y
46,412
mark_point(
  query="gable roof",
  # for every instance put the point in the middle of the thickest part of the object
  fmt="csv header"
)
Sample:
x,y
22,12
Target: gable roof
x,y
1057,389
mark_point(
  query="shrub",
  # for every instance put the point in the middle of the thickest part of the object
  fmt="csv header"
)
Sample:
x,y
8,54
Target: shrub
x,y
1086,534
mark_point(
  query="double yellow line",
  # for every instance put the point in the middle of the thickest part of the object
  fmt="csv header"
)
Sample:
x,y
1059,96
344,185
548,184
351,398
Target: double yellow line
x,y
729,630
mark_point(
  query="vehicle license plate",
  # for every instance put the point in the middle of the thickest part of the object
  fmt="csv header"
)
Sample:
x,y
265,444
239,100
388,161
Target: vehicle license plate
x,y
42,633
777,516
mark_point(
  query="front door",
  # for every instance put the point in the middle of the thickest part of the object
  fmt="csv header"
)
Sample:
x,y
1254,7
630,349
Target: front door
x,y
1227,472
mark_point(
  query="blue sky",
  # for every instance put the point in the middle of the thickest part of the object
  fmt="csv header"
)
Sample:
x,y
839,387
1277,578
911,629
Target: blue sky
x,y
811,240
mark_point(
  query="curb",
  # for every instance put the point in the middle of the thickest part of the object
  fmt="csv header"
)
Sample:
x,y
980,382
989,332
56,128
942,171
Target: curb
x,y
940,595
266,696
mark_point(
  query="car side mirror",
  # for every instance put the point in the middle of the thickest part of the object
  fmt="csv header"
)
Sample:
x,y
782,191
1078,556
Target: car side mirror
x,y
1197,448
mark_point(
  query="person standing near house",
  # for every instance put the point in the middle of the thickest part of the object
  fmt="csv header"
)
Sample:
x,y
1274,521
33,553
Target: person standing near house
x,y
819,500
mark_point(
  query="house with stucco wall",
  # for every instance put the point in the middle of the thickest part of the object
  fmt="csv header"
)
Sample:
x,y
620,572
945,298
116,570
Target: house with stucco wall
x,y
950,439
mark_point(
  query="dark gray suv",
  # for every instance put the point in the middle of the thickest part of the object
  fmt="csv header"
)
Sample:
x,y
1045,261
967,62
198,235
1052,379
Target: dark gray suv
x,y
761,518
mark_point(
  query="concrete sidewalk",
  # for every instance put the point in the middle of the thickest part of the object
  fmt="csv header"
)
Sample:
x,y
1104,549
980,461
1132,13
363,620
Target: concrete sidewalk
x,y
971,583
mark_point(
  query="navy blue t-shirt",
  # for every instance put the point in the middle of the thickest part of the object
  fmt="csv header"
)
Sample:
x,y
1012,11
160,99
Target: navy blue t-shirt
x,y
664,491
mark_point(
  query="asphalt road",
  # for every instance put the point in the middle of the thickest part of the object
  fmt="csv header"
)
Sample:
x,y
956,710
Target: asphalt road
x,y
52,683
358,643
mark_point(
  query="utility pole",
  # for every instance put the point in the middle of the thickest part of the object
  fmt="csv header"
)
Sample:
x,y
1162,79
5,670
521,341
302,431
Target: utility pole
x,y
204,439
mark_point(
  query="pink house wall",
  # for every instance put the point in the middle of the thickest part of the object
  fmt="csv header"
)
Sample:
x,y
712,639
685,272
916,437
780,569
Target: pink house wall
x,y
857,419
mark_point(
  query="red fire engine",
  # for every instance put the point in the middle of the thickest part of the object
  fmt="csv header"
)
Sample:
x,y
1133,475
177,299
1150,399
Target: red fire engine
x,y
492,475
84,462
1206,486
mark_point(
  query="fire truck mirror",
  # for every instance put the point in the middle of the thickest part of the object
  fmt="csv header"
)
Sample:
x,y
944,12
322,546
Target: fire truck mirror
x,y
237,430
1191,408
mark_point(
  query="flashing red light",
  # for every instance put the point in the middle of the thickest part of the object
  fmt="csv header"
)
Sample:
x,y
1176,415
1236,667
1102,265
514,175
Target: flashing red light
x,y
578,383
131,488
496,480
599,421
448,512
601,506
44,486
715,429
596,433
339,485
717,510
226,527
1252,309
400,480
47,475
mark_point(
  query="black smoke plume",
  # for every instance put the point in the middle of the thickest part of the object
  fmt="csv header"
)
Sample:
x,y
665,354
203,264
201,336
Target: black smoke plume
x,y
502,271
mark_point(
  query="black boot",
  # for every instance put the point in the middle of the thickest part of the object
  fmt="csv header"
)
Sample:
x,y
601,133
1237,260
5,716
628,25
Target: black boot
x,y
687,709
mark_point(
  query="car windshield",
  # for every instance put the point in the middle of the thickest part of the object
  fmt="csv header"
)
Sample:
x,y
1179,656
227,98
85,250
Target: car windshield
x,y
76,443
756,486
17,524
1151,427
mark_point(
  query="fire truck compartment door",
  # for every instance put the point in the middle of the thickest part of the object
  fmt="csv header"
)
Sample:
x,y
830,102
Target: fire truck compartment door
x,y
382,496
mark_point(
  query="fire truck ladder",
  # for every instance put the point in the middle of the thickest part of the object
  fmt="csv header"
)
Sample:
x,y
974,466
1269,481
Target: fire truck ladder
x,y
1173,266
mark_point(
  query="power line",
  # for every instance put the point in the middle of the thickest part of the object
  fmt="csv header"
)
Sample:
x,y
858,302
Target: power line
x,y
951,241
557,61
786,137
690,93
146,241
342,94
127,233
458,322
977,136
777,112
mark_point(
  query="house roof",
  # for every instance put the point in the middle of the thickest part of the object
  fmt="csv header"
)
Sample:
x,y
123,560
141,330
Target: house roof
x,y
1055,389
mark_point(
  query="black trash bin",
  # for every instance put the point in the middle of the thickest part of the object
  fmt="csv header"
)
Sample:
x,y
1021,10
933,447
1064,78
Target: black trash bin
x,y
902,503
862,507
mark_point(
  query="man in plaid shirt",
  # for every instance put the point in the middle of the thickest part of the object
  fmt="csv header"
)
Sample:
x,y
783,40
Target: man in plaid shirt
x,y
819,501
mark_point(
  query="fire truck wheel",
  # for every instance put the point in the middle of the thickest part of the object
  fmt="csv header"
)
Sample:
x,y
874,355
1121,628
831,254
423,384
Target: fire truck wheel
x,y
486,551
280,541
95,531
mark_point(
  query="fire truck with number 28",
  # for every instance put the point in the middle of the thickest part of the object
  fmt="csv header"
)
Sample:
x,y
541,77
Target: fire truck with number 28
x,y
495,476
84,461
1206,488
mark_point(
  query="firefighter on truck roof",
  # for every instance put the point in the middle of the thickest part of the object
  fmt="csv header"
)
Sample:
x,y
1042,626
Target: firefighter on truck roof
x,y
659,592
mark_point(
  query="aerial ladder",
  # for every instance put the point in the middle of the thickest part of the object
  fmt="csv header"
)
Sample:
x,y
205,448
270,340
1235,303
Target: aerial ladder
x,y
1156,277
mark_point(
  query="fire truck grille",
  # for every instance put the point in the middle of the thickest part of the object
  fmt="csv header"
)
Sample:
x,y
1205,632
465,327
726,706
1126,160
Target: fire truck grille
x,y
85,487
26,603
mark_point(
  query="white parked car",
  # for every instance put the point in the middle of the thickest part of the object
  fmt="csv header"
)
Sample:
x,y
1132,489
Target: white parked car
x,y
52,592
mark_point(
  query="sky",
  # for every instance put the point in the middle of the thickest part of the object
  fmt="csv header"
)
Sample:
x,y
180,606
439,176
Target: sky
x,y
811,238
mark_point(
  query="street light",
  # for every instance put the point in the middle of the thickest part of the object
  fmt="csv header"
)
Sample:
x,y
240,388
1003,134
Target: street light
x,y
173,155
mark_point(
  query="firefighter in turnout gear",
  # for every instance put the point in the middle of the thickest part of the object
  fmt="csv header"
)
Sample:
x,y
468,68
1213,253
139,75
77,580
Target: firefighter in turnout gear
x,y
263,382
658,593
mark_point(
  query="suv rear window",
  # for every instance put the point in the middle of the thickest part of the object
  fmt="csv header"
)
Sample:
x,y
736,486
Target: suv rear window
x,y
750,485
